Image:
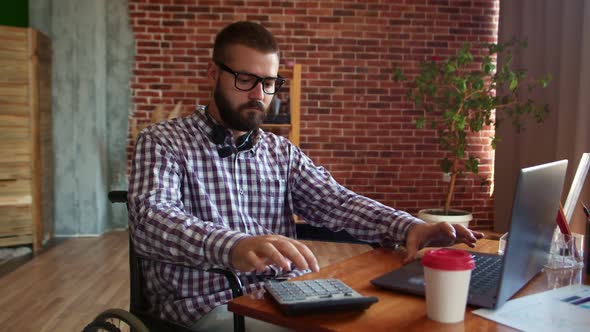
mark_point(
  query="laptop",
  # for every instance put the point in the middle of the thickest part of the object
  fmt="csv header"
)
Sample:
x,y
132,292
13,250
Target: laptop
x,y
535,207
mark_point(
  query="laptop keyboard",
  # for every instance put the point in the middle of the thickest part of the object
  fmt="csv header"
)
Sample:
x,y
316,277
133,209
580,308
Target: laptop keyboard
x,y
486,274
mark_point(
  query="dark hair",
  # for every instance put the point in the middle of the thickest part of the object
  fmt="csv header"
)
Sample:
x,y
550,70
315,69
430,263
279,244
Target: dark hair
x,y
248,34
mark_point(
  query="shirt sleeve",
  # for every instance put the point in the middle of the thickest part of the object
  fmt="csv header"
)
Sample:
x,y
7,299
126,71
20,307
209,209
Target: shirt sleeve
x,y
160,226
321,201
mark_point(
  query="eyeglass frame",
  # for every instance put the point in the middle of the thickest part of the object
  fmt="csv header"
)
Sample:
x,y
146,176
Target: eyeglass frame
x,y
278,83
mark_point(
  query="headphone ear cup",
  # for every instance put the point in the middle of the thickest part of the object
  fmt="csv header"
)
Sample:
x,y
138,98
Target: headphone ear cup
x,y
218,135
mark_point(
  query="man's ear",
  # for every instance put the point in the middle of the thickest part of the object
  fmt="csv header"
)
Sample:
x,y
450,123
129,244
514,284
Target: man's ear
x,y
212,72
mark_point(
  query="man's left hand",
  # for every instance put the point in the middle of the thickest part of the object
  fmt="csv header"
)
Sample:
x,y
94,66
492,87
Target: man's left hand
x,y
437,235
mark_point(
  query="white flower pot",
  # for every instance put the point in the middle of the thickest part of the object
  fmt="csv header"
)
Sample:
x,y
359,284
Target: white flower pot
x,y
455,216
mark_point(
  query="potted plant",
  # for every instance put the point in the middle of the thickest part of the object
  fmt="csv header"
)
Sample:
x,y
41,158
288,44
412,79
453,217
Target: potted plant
x,y
462,95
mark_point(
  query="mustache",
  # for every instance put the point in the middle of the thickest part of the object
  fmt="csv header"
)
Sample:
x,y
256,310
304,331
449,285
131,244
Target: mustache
x,y
252,104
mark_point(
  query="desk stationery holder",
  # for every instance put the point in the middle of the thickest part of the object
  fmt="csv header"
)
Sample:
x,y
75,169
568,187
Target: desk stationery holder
x,y
587,246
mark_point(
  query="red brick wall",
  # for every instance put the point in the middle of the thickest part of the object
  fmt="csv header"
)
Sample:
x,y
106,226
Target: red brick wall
x,y
354,118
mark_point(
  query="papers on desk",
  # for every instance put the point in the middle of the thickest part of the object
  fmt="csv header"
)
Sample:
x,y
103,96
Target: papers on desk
x,y
562,309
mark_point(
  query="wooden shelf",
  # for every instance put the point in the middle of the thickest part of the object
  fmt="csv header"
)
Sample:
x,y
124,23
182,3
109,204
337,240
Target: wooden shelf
x,y
26,159
276,125
294,77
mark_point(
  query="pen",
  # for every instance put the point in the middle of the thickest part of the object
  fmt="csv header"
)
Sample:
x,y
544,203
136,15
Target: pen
x,y
565,229
562,223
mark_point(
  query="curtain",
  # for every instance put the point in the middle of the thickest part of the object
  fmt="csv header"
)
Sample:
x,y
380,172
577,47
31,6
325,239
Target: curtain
x,y
558,34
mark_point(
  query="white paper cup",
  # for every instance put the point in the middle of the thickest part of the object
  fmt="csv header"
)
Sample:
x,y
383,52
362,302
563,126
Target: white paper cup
x,y
447,273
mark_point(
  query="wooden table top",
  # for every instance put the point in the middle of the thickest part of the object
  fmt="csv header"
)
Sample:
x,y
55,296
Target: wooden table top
x,y
394,311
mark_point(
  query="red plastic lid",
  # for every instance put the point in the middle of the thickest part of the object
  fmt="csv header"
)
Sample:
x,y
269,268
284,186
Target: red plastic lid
x,y
448,259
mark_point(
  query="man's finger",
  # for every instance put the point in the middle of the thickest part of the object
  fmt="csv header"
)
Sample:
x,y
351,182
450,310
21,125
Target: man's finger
x,y
310,258
467,236
253,262
291,252
411,252
414,240
270,251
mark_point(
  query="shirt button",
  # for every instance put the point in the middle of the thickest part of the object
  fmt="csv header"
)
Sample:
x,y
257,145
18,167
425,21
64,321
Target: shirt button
x,y
241,192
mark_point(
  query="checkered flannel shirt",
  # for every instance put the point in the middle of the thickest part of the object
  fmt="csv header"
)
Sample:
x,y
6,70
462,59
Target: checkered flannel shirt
x,y
188,207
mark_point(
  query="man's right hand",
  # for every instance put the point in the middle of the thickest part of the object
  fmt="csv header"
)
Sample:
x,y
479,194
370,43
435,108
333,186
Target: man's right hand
x,y
257,252
438,235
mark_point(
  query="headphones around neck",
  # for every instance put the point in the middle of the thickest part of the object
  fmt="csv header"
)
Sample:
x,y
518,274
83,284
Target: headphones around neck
x,y
243,142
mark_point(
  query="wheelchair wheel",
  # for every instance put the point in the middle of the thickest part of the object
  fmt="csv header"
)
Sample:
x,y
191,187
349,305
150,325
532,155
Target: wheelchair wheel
x,y
116,320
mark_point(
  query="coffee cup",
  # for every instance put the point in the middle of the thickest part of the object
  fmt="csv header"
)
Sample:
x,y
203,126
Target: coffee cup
x,y
447,273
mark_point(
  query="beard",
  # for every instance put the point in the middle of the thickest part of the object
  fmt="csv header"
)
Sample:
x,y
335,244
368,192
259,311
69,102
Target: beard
x,y
235,118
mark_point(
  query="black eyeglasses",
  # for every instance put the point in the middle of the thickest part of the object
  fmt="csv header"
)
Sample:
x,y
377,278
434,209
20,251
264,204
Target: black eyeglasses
x,y
246,81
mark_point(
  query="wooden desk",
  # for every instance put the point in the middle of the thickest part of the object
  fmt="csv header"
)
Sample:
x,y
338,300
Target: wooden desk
x,y
393,312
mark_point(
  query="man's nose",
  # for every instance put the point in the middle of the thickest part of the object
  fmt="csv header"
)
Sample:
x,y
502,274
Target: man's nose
x,y
257,93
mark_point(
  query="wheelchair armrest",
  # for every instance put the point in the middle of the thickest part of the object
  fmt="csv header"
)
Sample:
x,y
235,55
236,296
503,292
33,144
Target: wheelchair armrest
x,y
237,289
232,277
118,196
139,302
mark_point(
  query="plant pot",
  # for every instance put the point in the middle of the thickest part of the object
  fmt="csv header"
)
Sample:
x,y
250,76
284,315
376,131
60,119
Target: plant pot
x,y
454,216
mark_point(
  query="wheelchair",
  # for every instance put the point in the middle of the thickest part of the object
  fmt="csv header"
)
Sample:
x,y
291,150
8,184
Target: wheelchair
x,y
139,319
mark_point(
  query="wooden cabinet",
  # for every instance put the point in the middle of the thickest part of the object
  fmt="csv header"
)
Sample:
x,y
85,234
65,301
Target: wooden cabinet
x,y
26,172
293,95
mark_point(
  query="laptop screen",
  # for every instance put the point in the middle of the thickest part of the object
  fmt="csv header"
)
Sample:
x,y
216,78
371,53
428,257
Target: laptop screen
x,y
534,211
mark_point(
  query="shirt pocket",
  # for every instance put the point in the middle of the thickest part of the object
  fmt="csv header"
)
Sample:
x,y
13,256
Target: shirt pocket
x,y
268,199
270,189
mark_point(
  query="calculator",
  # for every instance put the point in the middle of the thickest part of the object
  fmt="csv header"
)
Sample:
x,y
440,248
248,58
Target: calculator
x,y
319,295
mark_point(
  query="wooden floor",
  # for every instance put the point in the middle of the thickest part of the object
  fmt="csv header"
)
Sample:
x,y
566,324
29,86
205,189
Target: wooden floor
x,y
63,288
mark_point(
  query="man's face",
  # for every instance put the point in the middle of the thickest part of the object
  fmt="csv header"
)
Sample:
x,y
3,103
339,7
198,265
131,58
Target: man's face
x,y
243,110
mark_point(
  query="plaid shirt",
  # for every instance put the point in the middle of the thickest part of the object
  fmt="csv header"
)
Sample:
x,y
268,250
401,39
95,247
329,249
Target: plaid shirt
x,y
188,207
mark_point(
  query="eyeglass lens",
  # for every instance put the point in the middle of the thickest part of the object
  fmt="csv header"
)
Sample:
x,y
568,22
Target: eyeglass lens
x,y
246,82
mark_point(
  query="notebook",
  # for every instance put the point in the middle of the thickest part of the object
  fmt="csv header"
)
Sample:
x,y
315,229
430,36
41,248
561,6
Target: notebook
x,y
535,206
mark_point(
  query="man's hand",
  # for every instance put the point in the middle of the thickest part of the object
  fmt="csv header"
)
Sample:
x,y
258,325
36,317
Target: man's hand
x,y
257,252
438,235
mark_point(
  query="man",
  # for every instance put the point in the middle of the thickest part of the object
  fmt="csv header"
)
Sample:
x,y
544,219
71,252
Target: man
x,y
213,189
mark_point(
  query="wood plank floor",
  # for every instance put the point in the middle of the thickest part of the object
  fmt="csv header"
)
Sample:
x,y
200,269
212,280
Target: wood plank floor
x,y
63,288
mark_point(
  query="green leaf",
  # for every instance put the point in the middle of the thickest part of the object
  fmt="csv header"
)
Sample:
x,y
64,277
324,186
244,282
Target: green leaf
x,y
450,68
495,141
445,165
488,65
544,82
460,84
419,123
418,101
513,83
460,151
460,121
478,84
472,165
464,56
493,48
476,124
398,74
